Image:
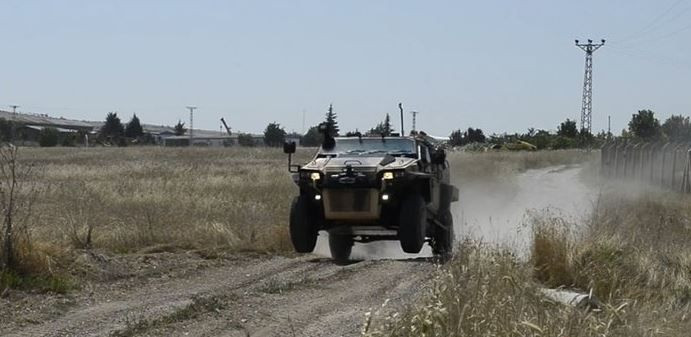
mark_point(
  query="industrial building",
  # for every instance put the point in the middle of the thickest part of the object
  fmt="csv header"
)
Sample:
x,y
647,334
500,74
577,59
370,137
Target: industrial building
x,y
29,126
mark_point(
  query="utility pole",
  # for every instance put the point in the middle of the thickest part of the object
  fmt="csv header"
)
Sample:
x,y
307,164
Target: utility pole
x,y
14,122
609,127
191,108
587,107
414,113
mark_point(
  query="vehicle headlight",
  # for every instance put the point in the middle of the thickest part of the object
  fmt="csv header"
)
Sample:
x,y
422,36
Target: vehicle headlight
x,y
390,175
311,175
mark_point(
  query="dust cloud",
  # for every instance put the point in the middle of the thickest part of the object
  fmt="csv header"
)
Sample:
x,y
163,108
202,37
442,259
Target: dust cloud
x,y
494,211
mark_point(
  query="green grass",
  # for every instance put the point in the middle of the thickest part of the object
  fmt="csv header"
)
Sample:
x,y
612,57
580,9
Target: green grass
x,y
200,305
50,283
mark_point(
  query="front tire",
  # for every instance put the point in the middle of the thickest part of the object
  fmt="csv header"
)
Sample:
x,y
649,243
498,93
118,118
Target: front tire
x,y
412,223
340,246
303,226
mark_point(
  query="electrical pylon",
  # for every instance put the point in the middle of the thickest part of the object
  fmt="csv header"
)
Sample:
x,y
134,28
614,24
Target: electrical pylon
x,y
587,107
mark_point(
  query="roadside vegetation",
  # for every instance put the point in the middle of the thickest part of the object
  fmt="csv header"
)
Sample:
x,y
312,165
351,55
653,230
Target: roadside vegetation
x,y
129,200
492,165
632,253
124,200
152,199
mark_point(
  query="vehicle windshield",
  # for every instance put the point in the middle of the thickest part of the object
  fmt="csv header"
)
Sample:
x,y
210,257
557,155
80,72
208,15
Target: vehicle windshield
x,y
371,147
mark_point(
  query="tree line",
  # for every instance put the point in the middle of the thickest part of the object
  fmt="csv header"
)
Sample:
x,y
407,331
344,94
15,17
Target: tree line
x,y
643,126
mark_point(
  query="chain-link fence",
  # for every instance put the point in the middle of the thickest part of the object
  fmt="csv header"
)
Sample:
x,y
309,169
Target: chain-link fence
x,y
658,163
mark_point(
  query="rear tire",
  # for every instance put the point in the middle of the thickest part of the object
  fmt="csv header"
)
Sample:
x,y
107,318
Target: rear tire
x,y
412,223
303,227
341,246
442,243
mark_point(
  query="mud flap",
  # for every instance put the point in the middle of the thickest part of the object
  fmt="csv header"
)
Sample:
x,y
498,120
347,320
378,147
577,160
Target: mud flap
x,y
449,194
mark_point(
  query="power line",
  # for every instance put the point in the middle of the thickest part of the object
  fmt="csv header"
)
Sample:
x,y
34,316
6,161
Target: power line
x,y
653,25
650,56
587,107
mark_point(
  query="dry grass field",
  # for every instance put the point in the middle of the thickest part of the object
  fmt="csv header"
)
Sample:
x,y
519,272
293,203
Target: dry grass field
x,y
124,200
152,199
135,198
632,253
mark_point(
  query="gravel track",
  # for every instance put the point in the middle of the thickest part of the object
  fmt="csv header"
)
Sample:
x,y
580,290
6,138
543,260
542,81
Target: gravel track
x,y
254,295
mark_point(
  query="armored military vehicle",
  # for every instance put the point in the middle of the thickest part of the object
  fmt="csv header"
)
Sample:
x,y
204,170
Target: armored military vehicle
x,y
364,189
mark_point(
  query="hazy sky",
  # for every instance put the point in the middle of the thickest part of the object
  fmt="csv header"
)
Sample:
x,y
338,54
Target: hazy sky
x,y
498,65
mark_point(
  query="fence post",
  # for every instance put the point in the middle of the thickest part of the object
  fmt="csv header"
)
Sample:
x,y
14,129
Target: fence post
x,y
685,178
662,164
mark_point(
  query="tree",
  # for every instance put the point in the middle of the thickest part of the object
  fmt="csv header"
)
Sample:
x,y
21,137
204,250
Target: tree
x,y
475,136
384,128
456,138
112,127
134,128
6,128
541,138
274,134
245,139
180,128
313,137
48,137
644,125
677,128
331,120
568,129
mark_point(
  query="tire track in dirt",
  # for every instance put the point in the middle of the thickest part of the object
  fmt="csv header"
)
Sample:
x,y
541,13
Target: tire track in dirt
x,y
333,302
267,296
154,299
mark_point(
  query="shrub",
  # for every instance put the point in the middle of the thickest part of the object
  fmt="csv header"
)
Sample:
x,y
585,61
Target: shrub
x,y
49,137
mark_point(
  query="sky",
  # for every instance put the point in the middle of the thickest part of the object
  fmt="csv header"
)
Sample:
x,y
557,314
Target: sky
x,y
503,66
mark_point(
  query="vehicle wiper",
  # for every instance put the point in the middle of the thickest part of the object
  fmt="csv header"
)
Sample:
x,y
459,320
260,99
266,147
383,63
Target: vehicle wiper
x,y
356,151
400,153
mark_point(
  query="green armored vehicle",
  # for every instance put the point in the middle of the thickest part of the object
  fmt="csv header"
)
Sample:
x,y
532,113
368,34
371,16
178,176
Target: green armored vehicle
x,y
364,189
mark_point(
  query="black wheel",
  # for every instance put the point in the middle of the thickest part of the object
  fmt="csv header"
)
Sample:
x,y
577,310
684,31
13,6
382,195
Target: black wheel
x,y
412,223
442,242
303,227
340,246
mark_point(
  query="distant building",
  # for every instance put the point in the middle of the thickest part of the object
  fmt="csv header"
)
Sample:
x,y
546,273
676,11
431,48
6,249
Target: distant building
x,y
204,139
42,120
29,127
211,141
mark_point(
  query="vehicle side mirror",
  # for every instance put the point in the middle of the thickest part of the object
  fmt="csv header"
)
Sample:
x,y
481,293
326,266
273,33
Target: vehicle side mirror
x,y
289,147
439,157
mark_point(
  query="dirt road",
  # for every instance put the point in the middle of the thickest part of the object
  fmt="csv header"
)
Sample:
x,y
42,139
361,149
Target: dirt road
x,y
245,295
186,294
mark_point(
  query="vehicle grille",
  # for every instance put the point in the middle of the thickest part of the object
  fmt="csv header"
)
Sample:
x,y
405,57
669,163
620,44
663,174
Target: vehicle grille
x,y
350,200
351,204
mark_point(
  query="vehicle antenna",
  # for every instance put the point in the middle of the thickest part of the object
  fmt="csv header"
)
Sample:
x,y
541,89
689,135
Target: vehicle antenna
x,y
400,107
